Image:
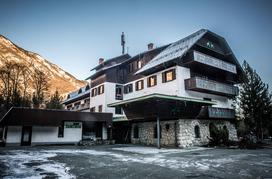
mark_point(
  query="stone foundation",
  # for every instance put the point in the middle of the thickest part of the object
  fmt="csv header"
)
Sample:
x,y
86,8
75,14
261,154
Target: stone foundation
x,y
180,132
146,133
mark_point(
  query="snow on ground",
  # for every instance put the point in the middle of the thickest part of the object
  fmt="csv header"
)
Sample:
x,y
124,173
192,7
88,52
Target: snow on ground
x,y
39,163
152,150
34,164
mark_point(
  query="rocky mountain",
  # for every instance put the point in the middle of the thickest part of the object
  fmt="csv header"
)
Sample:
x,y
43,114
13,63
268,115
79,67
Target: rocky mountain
x,y
58,78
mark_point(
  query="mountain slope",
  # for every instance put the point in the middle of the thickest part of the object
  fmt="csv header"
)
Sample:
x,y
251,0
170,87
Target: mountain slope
x,y
58,79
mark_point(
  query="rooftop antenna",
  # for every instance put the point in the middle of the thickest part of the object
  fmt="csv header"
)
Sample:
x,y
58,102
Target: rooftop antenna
x,y
123,42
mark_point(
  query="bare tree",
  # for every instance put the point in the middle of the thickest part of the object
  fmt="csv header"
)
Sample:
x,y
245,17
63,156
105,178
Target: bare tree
x,y
40,82
11,79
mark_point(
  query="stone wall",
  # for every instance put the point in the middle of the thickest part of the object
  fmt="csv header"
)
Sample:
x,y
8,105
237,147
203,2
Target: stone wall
x,y
146,133
186,127
180,132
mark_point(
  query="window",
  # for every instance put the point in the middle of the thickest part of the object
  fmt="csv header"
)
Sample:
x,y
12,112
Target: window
x,y
128,88
92,109
207,99
118,92
79,91
156,131
69,106
130,67
118,110
168,75
139,85
101,89
60,131
139,64
77,104
94,92
100,108
151,81
87,87
167,127
197,132
136,132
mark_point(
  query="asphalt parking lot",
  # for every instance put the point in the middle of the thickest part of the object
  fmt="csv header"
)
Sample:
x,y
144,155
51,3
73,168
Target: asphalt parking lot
x,y
130,161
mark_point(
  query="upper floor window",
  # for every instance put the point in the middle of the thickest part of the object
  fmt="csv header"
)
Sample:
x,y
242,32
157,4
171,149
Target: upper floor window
x,y
169,75
139,85
94,92
139,64
101,89
152,81
119,92
128,88
69,106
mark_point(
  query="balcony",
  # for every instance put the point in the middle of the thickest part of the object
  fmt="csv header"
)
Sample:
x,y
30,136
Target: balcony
x,y
209,86
212,62
208,112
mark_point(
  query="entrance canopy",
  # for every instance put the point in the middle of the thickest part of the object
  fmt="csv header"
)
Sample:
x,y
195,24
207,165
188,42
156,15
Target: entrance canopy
x,y
163,106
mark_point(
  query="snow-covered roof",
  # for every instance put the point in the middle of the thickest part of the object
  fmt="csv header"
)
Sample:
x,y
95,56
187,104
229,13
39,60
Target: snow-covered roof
x,y
175,50
78,93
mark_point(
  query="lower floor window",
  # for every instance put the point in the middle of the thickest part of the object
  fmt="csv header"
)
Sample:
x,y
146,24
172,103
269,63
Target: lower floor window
x,y
118,110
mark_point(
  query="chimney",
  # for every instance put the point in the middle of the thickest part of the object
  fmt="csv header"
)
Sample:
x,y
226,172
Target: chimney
x,y
150,46
101,60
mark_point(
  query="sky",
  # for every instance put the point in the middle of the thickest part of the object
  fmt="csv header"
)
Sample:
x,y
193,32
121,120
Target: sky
x,y
75,34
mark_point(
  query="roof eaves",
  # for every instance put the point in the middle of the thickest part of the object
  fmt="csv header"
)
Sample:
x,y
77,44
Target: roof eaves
x,y
163,96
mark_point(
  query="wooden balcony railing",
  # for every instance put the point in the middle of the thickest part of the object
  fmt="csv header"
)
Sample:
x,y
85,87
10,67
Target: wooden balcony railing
x,y
213,62
209,86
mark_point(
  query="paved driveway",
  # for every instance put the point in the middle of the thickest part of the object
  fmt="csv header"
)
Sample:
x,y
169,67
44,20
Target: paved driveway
x,y
129,161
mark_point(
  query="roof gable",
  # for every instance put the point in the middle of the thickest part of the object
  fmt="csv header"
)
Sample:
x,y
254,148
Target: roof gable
x,y
176,49
179,48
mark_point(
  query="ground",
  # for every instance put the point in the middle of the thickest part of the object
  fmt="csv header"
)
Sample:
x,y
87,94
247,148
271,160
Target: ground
x,y
130,161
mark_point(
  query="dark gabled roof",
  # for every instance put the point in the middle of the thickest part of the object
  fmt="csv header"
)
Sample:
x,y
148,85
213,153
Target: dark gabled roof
x,y
179,48
107,64
18,116
81,93
102,68
112,61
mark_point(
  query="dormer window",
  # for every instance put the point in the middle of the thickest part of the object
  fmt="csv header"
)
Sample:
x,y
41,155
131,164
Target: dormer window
x,y
79,91
139,64
87,88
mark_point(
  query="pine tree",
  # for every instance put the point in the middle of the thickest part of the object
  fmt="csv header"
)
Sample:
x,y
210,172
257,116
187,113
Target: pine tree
x,y
254,102
55,102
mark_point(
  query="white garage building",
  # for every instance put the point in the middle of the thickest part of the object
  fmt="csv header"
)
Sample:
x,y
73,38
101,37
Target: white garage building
x,y
26,126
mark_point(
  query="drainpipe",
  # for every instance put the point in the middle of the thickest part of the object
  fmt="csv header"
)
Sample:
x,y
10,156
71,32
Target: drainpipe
x,y
158,133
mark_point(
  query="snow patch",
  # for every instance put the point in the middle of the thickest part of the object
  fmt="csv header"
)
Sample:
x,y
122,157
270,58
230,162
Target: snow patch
x,y
31,164
151,150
